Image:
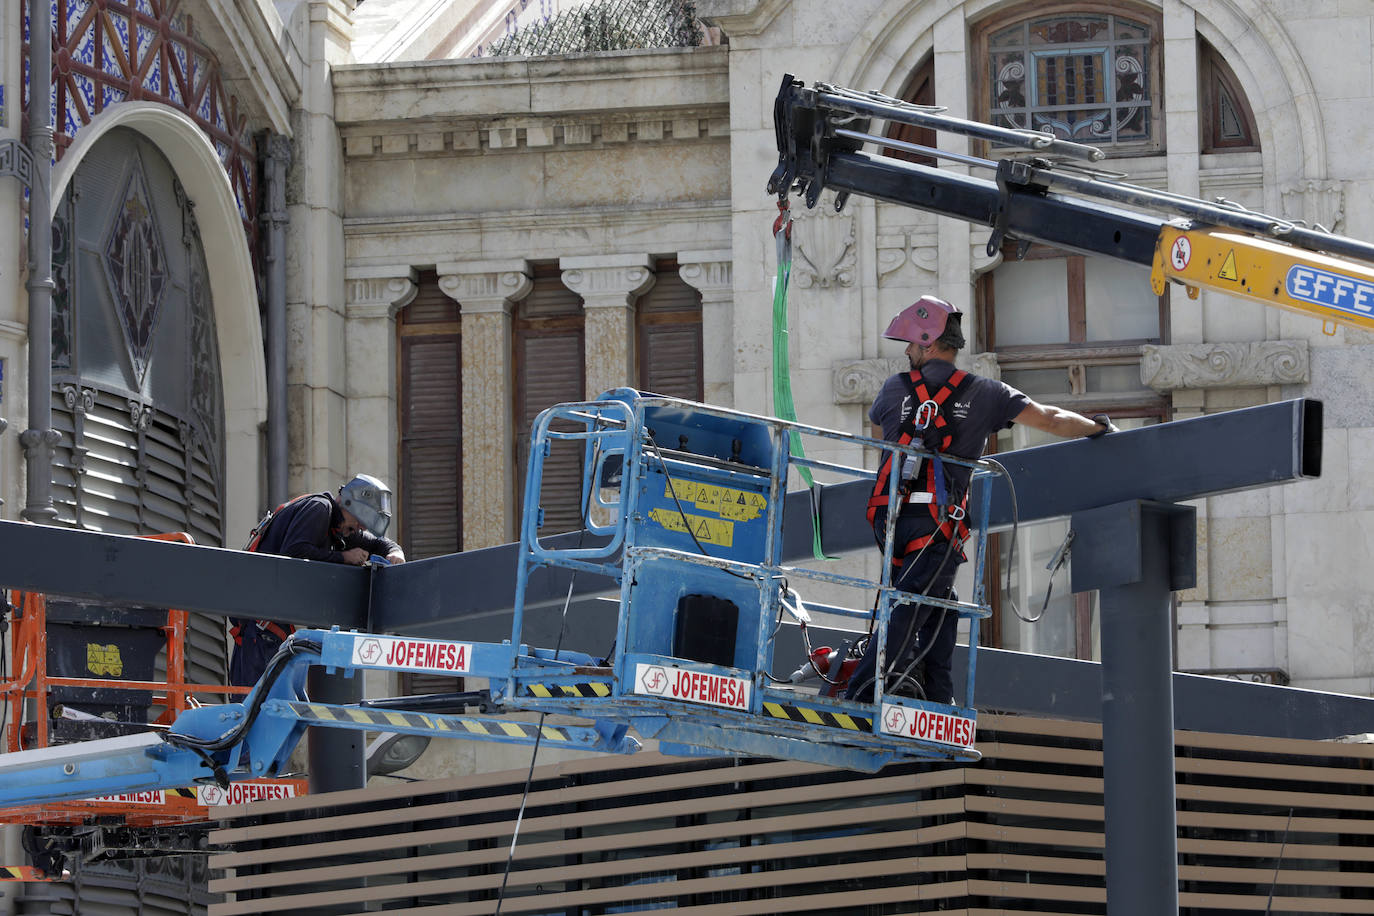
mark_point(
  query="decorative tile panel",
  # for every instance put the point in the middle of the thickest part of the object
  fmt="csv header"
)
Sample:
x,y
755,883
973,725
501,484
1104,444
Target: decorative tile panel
x,y
108,51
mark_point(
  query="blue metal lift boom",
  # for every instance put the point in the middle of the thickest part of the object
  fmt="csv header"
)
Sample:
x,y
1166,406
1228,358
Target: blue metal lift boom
x,y
686,503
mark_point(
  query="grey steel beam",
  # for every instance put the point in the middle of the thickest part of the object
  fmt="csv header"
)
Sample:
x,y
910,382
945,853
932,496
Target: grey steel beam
x,y
1168,462
228,583
471,592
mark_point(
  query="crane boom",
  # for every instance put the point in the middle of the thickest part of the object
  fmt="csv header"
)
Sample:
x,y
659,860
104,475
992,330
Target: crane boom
x,y
1199,244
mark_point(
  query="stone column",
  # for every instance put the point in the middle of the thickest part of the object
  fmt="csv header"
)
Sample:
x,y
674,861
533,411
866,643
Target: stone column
x,y
609,286
712,273
955,268
487,292
1180,124
316,402
375,295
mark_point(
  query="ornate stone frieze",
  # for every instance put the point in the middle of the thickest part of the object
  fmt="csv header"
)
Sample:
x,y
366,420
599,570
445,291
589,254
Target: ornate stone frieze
x,y
1315,202
1225,365
824,249
857,381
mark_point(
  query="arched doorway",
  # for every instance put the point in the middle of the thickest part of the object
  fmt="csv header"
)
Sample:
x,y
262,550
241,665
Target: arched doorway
x,y
138,394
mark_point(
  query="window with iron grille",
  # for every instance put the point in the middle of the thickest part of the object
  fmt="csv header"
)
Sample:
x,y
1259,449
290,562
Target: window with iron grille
x,y
1086,73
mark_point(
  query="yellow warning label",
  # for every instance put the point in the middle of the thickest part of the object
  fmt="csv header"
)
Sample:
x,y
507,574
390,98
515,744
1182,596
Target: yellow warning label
x,y
707,530
104,660
1228,268
727,502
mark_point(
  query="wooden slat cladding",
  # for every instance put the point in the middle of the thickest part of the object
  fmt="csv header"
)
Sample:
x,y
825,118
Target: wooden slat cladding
x,y
431,419
549,369
1019,832
668,335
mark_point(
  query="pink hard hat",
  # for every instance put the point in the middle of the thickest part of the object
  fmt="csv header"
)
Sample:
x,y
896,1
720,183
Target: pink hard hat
x,y
922,322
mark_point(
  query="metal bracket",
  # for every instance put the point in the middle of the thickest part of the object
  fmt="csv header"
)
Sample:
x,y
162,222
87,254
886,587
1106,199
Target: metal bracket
x,y
16,161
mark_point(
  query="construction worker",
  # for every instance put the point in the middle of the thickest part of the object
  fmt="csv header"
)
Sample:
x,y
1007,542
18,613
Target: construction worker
x,y
960,411
348,528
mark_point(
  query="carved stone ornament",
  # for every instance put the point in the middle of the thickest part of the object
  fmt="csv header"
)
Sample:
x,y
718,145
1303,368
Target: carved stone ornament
x,y
1318,203
899,249
824,249
857,381
1225,365
378,297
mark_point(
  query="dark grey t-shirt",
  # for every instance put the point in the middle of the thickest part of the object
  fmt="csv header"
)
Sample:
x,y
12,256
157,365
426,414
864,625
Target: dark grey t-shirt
x,y
985,406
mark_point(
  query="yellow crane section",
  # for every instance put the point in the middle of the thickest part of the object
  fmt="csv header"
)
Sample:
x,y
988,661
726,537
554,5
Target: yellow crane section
x,y
1337,290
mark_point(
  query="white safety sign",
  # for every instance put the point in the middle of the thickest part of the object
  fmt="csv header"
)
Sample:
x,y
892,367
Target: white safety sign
x,y
909,722
152,797
241,793
412,654
692,686
1181,252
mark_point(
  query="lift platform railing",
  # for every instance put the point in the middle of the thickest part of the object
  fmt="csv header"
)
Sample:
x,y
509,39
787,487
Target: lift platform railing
x,y
696,495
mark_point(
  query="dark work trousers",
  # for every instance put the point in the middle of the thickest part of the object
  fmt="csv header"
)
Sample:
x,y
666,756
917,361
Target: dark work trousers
x,y
934,628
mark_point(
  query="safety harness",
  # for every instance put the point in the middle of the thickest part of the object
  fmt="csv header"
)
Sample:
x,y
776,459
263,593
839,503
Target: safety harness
x,y
279,630
928,485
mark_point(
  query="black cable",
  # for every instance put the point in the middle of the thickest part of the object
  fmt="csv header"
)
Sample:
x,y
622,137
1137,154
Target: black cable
x,y
539,732
1278,863
294,645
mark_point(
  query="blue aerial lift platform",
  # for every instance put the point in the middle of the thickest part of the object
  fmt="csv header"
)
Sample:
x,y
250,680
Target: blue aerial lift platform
x,y
683,505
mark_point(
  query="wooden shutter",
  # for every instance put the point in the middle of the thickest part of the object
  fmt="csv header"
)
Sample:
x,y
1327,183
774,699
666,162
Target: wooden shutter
x,y
431,418
549,369
668,331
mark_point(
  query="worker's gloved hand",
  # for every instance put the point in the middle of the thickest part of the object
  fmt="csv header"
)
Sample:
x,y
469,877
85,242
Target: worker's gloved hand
x,y
1106,424
355,556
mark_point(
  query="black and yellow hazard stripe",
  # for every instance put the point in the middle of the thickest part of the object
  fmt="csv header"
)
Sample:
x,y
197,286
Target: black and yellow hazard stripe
x,y
457,726
22,873
181,793
551,691
818,717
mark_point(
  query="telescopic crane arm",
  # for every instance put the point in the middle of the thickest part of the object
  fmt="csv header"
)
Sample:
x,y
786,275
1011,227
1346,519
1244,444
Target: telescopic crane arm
x,y
821,133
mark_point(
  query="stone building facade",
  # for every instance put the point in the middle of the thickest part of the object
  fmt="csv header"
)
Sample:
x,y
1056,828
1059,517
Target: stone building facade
x,y
470,239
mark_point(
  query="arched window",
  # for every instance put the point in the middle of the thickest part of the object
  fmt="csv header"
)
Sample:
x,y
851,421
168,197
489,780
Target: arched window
x,y
1087,73
1227,123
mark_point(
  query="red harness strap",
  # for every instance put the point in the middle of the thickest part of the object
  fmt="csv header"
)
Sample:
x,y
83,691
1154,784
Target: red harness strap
x,y
936,437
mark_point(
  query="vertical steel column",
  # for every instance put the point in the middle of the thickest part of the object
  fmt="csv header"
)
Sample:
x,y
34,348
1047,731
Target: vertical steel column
x,y
40,439
275,151
1135,553
335,755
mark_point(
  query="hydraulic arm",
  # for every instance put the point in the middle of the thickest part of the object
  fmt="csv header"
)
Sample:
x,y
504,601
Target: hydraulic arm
x,y
821,133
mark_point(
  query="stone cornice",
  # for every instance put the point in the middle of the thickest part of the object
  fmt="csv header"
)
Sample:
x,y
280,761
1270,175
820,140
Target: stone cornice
x,y
250,41
740,17
583,130
1225,365
693,213
680,78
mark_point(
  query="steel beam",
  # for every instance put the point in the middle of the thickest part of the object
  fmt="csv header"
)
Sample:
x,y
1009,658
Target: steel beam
x,y
229,583
473,592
